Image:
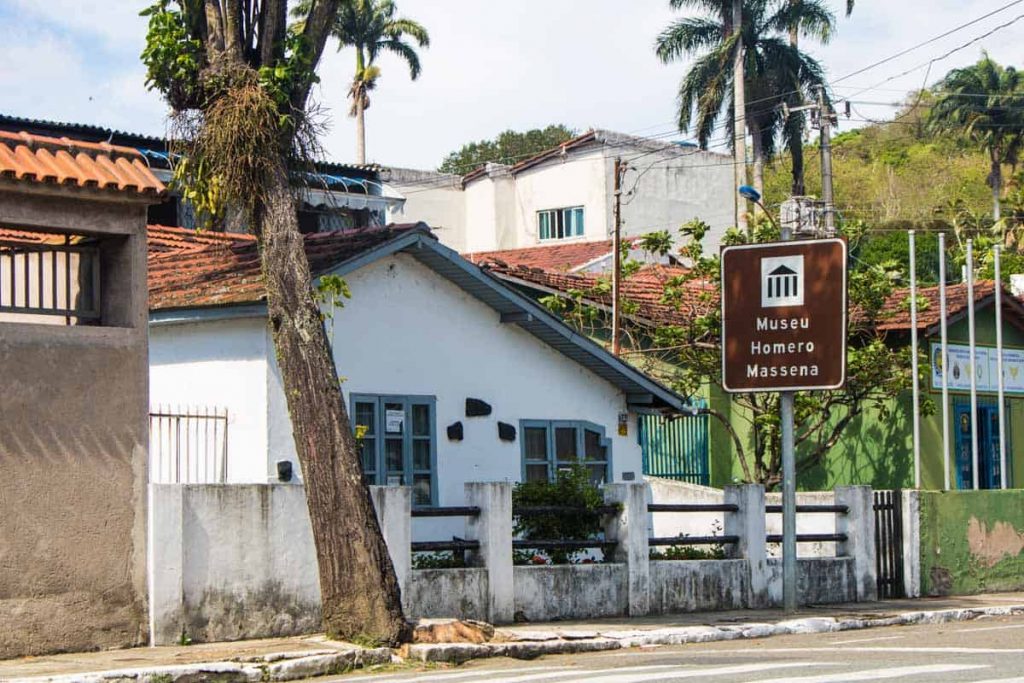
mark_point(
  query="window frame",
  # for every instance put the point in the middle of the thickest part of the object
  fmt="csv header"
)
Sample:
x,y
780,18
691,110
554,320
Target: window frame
x,y
566,215
551,461
409,471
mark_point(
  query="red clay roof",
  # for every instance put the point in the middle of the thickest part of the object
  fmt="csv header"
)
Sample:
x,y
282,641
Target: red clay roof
x,y
62,161
895,314
190,269
557,257
645,290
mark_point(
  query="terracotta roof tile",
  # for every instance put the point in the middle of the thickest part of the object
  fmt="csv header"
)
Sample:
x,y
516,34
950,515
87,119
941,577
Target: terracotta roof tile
x,y
190,269
645,289
895,313
62,161
558,257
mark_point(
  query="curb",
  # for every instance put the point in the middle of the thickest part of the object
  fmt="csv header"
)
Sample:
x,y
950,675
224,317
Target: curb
x,y
535,644
282,666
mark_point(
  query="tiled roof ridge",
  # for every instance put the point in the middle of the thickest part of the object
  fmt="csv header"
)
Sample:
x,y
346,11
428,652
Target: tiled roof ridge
x,y
34,142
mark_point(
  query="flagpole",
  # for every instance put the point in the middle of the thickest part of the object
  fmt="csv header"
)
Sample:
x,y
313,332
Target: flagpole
x,y
999,365
913,360
973,373
944,362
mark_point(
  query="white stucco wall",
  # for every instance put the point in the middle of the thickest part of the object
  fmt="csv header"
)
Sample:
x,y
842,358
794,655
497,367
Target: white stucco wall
x,y
406,330
581,180
220,364
677,188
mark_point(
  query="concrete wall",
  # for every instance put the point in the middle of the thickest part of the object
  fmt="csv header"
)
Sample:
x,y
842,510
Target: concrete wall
x,y
667,524
235,561
73,440
971,541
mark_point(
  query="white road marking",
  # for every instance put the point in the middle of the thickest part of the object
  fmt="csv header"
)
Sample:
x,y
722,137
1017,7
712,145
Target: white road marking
x,y
451,676
875,674
685,672
1016,679
989,628
935,650
865,640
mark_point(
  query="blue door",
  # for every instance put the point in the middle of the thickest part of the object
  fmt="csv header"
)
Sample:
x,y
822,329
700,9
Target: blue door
x,y
989,475
675,448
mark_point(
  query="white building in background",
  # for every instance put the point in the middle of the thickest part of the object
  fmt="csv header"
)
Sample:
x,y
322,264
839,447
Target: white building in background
x,y
567,194
455,376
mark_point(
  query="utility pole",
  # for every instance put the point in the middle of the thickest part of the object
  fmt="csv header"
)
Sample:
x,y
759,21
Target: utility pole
x,y
825,119
620,170
739,115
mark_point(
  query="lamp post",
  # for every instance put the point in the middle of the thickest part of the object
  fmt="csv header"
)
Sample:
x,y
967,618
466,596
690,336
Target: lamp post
x,y
786,400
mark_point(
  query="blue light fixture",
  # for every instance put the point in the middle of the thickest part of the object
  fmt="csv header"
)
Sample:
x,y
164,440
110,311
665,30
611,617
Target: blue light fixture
x,y
747,192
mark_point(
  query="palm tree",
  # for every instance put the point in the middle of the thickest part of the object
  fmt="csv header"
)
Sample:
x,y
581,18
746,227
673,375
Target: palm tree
x,y
796,122
371,27
984,102
776,72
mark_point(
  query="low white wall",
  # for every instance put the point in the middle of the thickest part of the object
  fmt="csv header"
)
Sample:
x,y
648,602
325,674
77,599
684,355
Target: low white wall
x,y
667,524
699,585
819,580
460,593
576,591
231,562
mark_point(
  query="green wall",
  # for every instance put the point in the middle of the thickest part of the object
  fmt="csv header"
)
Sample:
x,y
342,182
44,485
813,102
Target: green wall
x,y
972,542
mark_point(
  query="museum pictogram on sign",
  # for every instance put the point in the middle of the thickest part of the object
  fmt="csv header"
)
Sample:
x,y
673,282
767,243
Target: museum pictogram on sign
x,y
782,281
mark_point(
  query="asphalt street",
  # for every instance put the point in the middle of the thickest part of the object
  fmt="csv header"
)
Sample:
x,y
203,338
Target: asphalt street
x,y
984,650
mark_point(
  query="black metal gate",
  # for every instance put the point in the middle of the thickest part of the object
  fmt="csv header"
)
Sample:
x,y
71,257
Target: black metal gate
x,y
889,543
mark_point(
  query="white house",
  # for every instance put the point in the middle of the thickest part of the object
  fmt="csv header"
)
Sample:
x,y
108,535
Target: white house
x,y
567,194
454,375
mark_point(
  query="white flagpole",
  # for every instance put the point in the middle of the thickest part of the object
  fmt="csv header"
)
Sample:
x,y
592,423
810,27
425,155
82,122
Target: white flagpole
x,y
999,365
945,360
974,364
913,361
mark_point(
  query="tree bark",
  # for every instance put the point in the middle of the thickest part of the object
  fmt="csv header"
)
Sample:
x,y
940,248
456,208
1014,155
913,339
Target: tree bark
x,y
758,145
796,145
360,593
360,131
996,180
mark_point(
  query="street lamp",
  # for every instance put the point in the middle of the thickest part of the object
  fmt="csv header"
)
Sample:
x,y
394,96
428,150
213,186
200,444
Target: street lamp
x,y
749,193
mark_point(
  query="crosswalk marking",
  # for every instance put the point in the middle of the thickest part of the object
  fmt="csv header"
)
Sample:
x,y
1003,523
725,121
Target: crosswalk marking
x,y
876,674
865,640
900,648
450,676
691,672
990,628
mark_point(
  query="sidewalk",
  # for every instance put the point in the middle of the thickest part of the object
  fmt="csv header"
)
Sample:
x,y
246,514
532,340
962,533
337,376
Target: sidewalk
x,y
305,656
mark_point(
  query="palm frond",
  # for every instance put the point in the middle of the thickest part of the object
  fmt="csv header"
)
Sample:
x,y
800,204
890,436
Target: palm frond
x,y
687,36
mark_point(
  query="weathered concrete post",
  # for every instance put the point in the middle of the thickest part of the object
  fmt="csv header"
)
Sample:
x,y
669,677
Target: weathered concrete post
x,y
749,524
859,526
629,530
393,505
493,529
167,563
911,543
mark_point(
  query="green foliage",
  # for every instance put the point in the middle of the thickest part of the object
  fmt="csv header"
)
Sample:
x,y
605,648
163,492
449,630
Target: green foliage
x,y
508,148
689,552
173,56
572,488
442,560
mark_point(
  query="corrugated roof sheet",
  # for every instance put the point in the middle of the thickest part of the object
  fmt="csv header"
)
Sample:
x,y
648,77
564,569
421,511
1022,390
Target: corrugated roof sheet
x,y
67,162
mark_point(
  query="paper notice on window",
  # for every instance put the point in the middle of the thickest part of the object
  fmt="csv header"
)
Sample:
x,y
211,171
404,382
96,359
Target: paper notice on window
x,y
393,420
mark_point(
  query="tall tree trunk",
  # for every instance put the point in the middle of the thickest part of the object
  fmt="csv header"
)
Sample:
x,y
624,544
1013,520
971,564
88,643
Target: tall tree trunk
x,y
996,180
360,131
796,142
758,145
740,114
360,592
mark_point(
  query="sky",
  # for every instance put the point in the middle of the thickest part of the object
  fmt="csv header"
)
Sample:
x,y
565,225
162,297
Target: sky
x,y
492,65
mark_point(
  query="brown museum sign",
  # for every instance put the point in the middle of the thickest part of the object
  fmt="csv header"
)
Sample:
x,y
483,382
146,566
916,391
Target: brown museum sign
x,y
784,316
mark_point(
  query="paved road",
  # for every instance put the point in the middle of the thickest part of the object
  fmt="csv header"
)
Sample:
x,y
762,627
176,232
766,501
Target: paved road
x,y
986,650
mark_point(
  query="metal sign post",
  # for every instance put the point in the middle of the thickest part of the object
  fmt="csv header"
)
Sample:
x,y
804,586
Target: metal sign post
x,y
784,330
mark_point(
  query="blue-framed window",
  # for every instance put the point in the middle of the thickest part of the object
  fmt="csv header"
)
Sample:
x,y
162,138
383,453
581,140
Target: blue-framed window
x,y
399,442
550,445
558,224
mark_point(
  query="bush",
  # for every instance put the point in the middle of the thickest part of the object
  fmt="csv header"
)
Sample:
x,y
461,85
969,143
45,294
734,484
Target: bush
x,y
571,488
442,560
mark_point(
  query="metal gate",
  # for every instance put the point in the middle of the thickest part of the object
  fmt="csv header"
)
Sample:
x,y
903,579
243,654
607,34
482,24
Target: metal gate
x,y
675,448
889,543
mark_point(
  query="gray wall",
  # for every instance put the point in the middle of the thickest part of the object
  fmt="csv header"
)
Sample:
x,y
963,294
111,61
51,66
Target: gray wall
x,y
73,435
